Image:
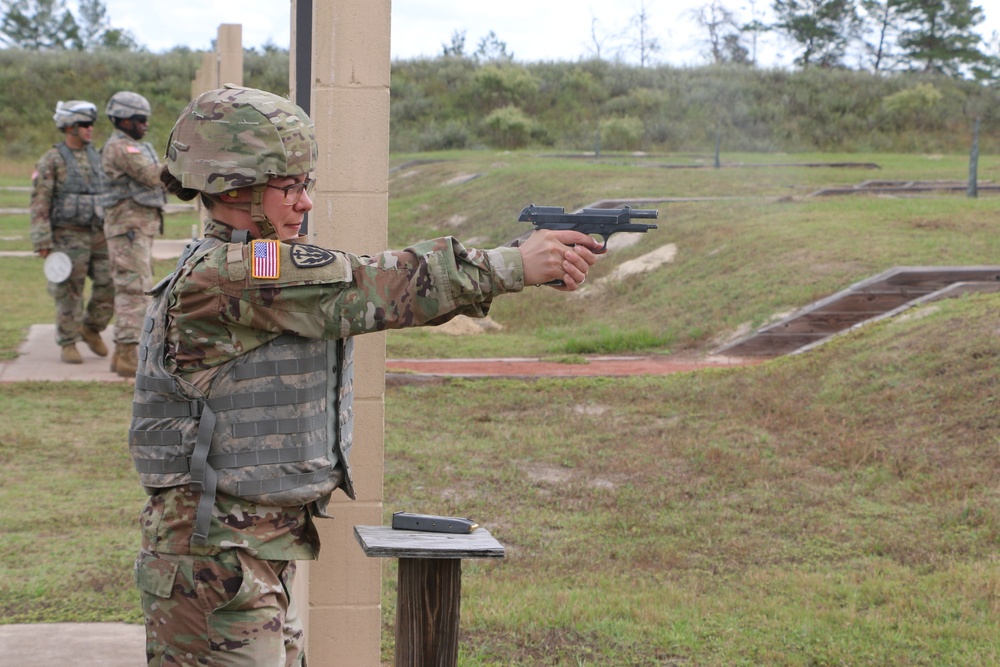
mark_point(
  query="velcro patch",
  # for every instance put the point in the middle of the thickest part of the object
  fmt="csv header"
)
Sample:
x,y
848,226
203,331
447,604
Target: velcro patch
x,y
310,256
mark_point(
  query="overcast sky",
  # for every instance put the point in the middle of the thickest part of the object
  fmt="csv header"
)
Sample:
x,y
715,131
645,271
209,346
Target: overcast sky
x,y
536,29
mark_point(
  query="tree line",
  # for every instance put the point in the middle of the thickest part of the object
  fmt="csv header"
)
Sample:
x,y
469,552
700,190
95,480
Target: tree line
x,y
879,36
873,35
49,24
459,102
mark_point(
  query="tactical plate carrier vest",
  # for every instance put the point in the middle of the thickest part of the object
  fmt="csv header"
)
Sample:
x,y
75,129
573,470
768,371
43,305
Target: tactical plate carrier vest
x,y
126,187
77,202
274,428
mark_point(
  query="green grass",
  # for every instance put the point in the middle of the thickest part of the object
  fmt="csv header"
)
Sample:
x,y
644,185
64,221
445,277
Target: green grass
x,y
832,508
70,504
835,508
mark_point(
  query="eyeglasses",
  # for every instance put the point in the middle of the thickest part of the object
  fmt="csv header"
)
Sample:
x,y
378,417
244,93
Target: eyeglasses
x,y
87,123
293,192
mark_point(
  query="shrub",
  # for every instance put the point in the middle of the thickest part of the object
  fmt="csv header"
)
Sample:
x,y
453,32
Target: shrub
x,y
451,135
914,107
508,128
621,134
497,86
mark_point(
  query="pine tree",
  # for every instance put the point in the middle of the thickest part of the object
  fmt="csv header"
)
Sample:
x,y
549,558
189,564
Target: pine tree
x,y
822,28
940,36
39,25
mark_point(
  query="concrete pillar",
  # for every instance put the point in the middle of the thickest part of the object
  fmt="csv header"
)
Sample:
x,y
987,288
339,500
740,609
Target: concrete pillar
x,y
224,65
349,102
229,47
204,76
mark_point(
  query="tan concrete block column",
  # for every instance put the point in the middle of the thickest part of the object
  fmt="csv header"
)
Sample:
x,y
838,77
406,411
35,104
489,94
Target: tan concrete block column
x,y
224,65
229,47
350,106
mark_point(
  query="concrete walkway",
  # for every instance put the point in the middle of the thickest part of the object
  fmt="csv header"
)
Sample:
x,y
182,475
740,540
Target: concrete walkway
x,y
72,645
38,356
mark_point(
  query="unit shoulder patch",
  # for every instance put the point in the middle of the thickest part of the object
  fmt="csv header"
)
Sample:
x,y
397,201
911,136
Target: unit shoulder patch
x,y
310,256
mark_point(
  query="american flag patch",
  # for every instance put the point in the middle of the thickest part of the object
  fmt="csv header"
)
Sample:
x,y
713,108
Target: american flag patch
x,y
265,259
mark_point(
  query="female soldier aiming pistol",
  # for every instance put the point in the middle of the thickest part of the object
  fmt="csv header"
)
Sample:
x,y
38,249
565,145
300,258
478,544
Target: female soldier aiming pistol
x,y
242,419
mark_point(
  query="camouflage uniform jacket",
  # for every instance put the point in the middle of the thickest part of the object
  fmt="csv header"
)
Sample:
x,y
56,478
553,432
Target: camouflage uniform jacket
x,y
47,181
219,311
135,196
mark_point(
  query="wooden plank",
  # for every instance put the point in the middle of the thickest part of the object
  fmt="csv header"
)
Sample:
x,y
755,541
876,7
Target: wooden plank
x,y
960,289
934,279
770,345
873,304
818,322
428,607
889,292
386,542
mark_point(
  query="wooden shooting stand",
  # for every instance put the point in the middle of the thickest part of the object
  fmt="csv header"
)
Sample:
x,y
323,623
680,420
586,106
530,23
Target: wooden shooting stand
x,y
429,589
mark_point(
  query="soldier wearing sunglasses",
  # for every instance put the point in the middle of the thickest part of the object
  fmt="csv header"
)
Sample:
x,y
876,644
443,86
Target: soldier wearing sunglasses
x,y
133,215
66,217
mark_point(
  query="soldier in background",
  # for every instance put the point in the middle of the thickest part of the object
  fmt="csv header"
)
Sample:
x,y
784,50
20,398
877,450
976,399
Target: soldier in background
x,y
66,217
133,215
242,420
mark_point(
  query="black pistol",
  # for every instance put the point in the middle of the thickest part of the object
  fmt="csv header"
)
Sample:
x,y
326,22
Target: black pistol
x,y
600,221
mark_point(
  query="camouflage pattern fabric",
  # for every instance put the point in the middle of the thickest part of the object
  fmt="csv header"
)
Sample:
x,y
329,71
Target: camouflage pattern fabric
x,y
86,247
131,261
50,175
263,531
251,619
130,228
221,311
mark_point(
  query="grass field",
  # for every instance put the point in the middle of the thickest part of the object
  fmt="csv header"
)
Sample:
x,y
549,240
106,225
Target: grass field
x,y
833,508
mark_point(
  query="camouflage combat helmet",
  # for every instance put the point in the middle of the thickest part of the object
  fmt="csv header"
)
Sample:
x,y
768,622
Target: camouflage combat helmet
x,y
125,104
237,137
73,112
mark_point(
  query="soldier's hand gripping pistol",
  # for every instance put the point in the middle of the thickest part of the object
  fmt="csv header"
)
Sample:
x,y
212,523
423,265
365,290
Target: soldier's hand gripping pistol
x,y
601,222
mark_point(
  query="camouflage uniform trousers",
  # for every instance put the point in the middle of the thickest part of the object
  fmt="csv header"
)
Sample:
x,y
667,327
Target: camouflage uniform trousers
x,y
229,610
88,250
132,270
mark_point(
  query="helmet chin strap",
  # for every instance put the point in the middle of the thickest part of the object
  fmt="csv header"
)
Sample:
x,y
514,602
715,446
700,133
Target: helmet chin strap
x,y
257,214
255,207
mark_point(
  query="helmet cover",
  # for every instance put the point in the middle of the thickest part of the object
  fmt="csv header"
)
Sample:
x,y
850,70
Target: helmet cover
x,y
125,104
73,112
236,137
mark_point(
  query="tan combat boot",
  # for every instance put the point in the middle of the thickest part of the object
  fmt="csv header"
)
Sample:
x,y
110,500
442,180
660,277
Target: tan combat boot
x,y
93,340
126,359
70,355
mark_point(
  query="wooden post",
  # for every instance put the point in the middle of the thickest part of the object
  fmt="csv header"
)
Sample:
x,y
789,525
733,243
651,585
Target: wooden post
x,y
427,614
429,590
973,190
